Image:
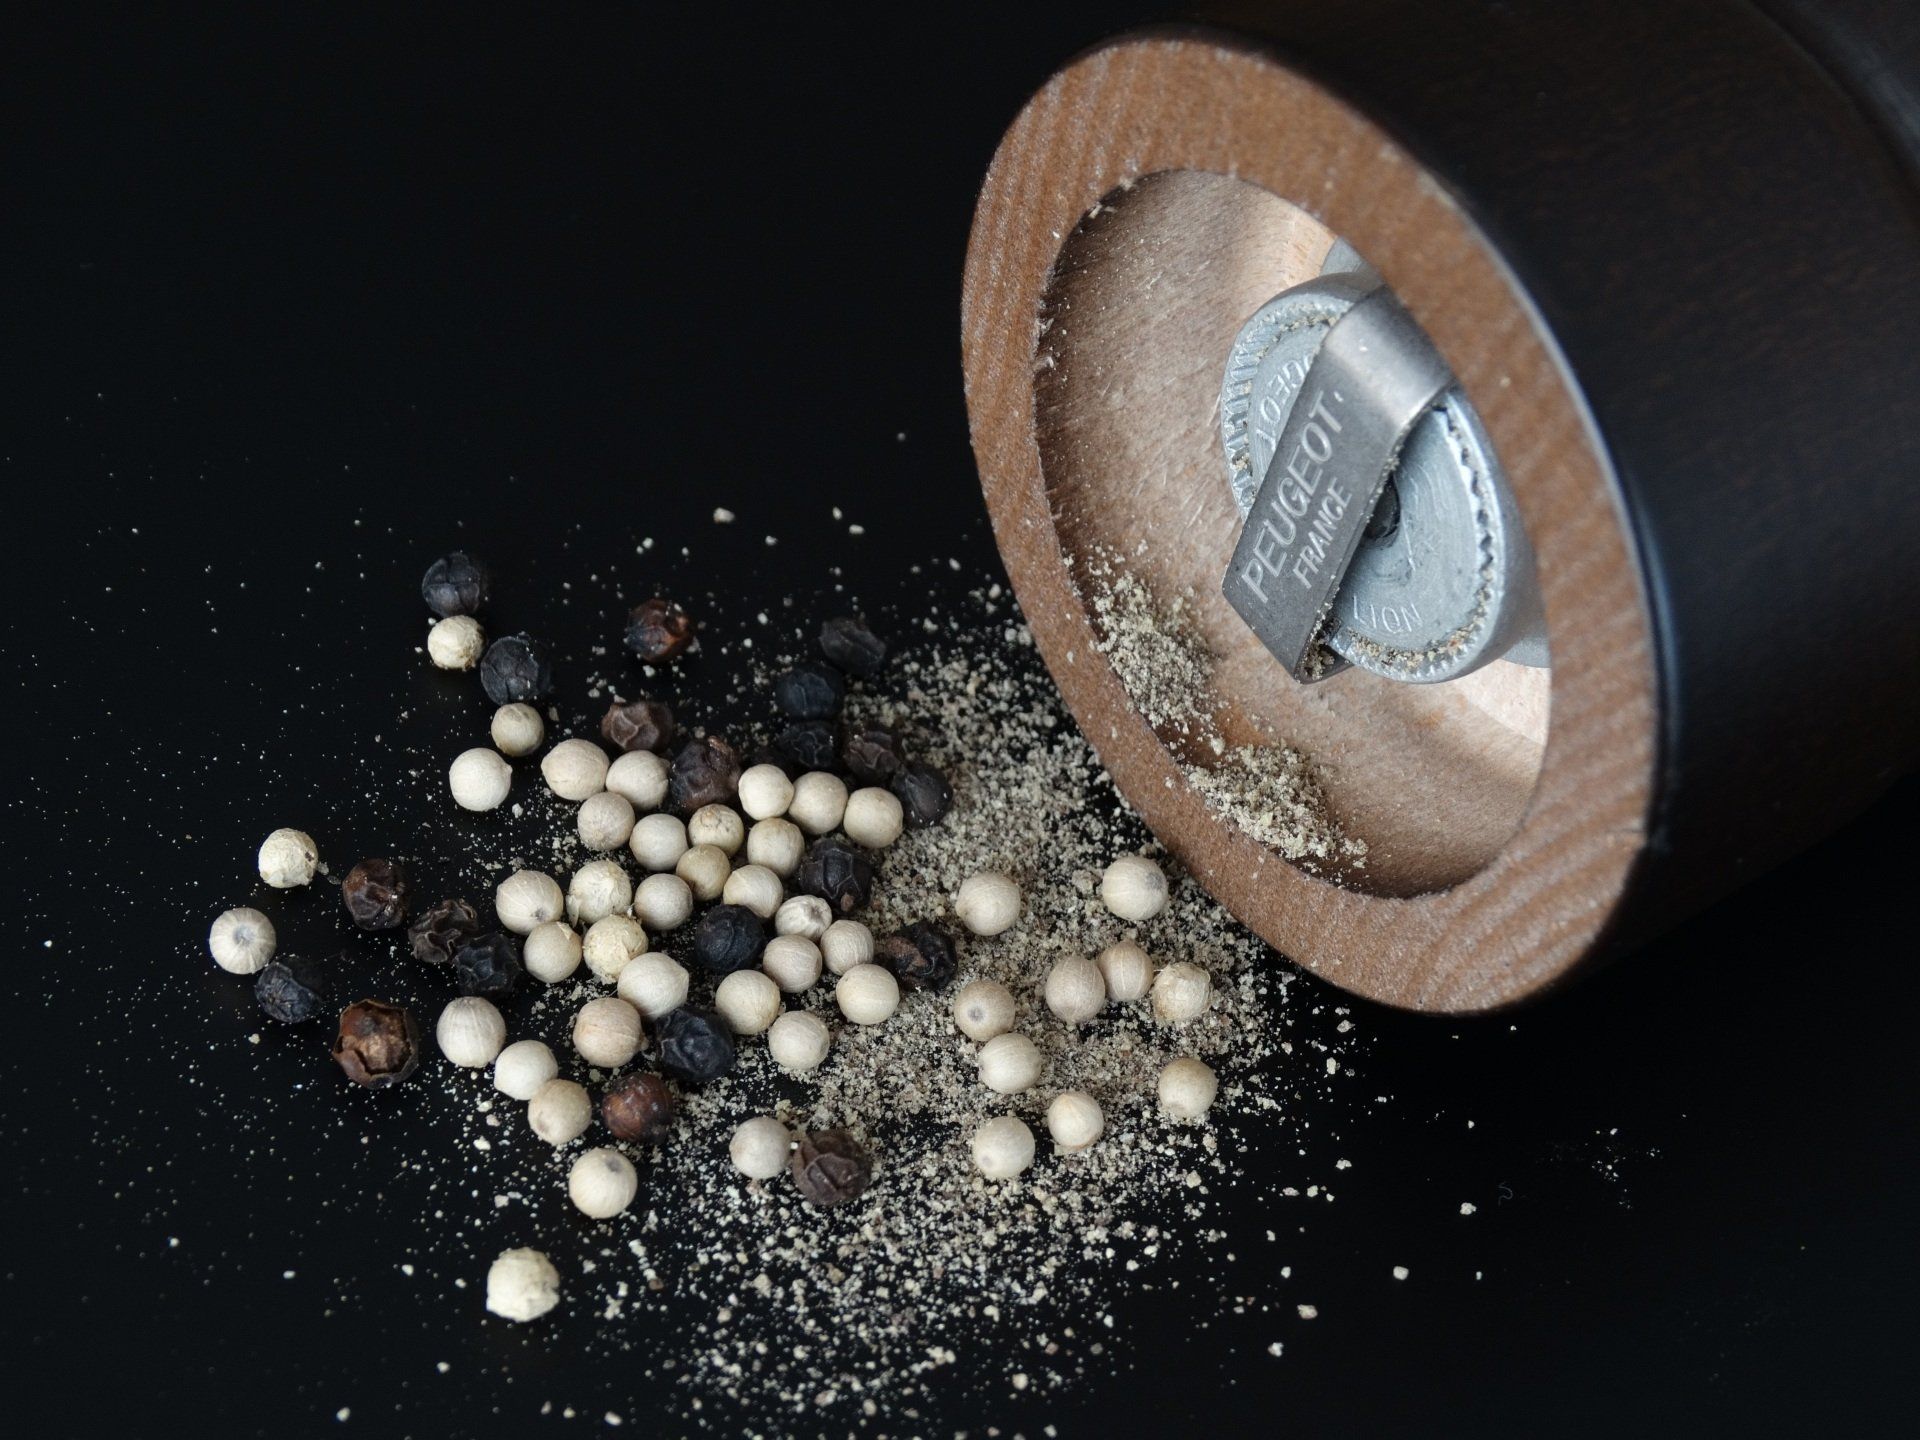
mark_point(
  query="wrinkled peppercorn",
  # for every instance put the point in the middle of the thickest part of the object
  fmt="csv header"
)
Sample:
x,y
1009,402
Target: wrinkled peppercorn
x,y
729,938
848,643
378,1044
516,667
874,756
810,692
442,929
924,794
836,872
810,745
376,892
695,1045
829,1166
768,754
921,956
454,584
659,630
291,989
639,725
638,1107
705,772
488,965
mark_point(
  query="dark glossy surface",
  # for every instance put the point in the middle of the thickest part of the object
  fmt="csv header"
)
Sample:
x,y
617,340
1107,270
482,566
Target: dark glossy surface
x,y
290,313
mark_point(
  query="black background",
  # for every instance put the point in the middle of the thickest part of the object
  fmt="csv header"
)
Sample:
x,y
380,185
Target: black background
x,y
289,308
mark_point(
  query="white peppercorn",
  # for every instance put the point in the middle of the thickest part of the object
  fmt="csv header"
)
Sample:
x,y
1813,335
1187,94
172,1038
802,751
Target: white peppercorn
x,y
799,1041
479,779
806,915
1002,1148
705,869
456,643
765,791
760,1147
241,941
867,994
605,821
747,1000
988,903
526,899
819,802
517,729
522,1068
606,1032
1074,1120
776,844
653,984
470,1031
575,769
755,887
983,1009
1134,888
719,826
1187,1088
658,841
1076,991
642,777
663,902
1010,1063
551,952
874,817
1181,992
560,1111
288,859
793,961
522,1285
602,1183
845,944
1127,969
598,889
612,943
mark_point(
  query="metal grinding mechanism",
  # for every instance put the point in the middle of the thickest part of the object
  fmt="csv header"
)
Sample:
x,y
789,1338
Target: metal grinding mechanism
x,y
1514,408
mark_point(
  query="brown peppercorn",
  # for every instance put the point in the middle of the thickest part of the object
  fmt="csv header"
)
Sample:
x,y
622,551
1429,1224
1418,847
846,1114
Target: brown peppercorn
x,y
659,630
375,892
378,1044
829,1167
638,1107
639,725
705,772
442,929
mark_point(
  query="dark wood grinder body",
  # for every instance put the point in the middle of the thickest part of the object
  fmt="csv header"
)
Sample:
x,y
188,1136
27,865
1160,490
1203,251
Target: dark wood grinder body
x,y
1672,252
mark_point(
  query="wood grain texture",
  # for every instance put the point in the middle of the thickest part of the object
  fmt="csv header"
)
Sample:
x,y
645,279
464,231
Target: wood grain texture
x,y
1092,346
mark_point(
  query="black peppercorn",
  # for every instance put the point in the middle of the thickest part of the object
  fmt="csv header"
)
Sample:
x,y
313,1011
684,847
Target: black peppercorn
x,y
829,1167
695,1045
454,584
378,1044
639,725
376,892
515,667
921,956
810,692
638,1107
729,938
705,772
810,745
442,929
924,794
848,643
874,756
769,754
836,872
659,630
291,989
488,965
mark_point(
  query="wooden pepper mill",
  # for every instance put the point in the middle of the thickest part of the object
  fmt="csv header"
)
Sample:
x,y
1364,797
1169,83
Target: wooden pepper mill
x,y
1670,255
